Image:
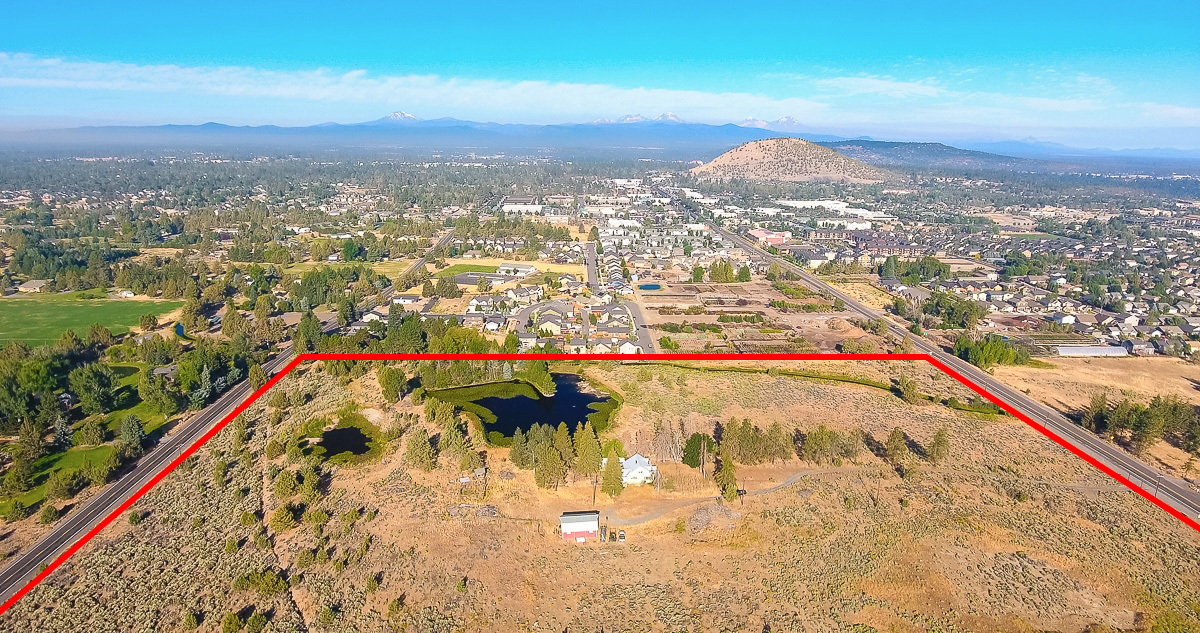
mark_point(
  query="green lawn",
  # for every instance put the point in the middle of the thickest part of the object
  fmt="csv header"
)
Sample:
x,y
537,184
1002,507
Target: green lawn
x,y
458,269
74,458
37,319
127,398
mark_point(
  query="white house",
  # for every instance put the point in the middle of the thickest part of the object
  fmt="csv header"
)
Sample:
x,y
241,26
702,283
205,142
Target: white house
x,y
629,347
635,469
374,315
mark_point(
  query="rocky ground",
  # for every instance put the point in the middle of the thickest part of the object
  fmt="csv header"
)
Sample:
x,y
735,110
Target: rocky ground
x,y
1010,533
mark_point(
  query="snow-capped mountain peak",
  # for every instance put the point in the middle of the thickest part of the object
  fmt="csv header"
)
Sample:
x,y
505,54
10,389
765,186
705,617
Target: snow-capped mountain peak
x,y
667,117
402,117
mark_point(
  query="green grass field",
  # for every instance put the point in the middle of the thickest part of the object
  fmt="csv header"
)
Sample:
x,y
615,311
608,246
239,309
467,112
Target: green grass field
x,y
42,318
458,269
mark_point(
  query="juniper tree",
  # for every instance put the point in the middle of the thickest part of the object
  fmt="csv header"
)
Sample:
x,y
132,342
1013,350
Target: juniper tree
x,y
1094,416
419,451
257,376
820,444
452,442
92,432
49,513
896,447
779,445
851,445
939,448
726,476
56,486
470,461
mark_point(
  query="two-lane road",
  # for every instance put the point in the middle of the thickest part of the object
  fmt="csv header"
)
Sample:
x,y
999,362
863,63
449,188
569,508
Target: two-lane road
x,y
1172,491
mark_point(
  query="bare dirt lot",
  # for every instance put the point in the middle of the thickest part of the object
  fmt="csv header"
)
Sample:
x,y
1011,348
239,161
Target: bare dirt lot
x,y
1007,533
1069,385
780,330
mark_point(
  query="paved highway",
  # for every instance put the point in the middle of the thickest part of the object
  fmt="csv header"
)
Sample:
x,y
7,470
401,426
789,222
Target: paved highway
x,y
1177,493
26,565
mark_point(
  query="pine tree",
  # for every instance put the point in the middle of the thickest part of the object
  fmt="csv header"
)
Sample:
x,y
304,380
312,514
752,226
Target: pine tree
x,y
564,446
896,447
519,453
587,450
612,483
939,448
726,476
29,441
549,470
419,452
133,433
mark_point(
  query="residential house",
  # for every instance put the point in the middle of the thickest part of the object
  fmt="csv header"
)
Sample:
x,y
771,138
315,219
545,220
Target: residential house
x,y
635,469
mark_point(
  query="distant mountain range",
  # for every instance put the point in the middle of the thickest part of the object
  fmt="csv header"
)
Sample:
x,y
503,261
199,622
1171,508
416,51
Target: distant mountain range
x,y
1033,148
665,136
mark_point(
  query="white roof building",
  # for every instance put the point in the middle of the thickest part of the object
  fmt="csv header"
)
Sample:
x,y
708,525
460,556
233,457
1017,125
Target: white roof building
x,y
635,469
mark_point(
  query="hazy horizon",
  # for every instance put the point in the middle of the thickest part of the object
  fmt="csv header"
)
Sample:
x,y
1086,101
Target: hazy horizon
x,y
1080,74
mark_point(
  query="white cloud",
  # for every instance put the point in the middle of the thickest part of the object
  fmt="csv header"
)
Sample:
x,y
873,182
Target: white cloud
x,y
1168,115
880,85
430,94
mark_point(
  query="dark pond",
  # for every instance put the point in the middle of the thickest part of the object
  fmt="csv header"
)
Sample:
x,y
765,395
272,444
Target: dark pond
x,y
344,440
650,287
516,405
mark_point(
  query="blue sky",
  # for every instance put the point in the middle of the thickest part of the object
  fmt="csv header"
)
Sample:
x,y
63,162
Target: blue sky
x,y
1084,73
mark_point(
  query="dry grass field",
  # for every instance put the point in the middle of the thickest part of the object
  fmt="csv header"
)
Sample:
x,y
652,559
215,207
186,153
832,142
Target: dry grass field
x,y
1008,533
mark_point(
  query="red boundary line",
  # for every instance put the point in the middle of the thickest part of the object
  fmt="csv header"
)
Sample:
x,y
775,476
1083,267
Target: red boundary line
x,y
189,451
